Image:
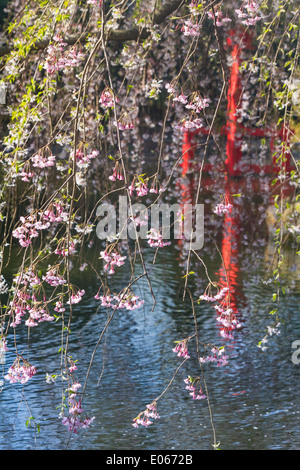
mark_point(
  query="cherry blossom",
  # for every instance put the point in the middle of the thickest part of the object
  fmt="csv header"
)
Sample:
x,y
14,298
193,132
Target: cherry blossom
x,y
181,349
127,301
75,421
40,161
20,373
117,174
106,99
143,418
76,298
191,29
155,239
223,208
112,260
192,385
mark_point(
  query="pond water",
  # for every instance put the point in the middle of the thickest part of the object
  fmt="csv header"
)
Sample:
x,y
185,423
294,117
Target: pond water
x,y
254,399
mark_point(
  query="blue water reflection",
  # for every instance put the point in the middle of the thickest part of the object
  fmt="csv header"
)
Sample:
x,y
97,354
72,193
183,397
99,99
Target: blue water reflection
x,y
255,399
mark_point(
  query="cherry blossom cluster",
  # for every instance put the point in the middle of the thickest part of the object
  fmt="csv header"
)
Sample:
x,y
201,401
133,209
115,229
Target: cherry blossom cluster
x,y
154,187
272,330
226,316
59,307
220,18
194,387
117,174
181,349
19,306
127,301
3,345
59,59
72,367
41,161
138,221
183,99
223,208
198,104
64,248
75,420
74,388
140,187
24,303
83,160
27,278
20,373
107,98
76,297
227,319
143,418
94,2
153,89
191,29
112,260
28,230
53,278
124,123
24,172
212,298
155,239
188,125
249,13
31,225
56,212
38,314
216,355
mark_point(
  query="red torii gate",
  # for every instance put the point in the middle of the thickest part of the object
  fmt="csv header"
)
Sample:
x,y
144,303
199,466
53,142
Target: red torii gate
x,y
233,130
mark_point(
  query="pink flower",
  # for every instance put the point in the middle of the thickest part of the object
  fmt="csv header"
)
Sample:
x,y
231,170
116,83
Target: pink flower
x,y
126,301
107,98
191,125
155,239
112,260
170,88
75,387
117,174
181,99
191,29
75,420
143,418
142,189
181,349
223,208
124,124
76,298
43,162
59,307
20,373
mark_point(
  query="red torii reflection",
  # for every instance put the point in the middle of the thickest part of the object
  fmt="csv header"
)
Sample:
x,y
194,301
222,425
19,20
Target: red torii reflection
x,y
228,274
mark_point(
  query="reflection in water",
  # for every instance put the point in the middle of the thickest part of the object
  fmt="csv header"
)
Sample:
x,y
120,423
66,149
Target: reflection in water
x,y
138,363
254,399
